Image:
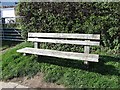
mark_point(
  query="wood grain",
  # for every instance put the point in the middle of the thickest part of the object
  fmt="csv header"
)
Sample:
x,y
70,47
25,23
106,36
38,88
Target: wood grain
x,y
61,54
77,42
66,35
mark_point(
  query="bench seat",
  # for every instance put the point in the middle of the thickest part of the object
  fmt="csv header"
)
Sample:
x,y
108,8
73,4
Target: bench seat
x,y
60,54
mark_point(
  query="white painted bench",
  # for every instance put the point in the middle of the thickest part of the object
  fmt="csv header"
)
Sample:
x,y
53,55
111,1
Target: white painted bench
x,y
87,40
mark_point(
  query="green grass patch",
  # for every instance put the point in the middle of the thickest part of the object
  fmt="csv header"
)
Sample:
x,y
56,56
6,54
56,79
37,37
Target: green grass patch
x,y
7,44
70,73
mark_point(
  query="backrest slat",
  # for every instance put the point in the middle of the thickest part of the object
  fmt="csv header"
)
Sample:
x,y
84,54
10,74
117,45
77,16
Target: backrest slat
x,y
65,35
77,42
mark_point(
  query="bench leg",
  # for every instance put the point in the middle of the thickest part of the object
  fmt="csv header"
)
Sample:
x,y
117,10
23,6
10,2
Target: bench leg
x,y
36,45
86,62
86,51
24,54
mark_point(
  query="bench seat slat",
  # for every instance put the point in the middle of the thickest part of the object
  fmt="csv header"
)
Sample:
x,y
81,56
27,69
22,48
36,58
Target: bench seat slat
x,y
77,42
61,54
66,35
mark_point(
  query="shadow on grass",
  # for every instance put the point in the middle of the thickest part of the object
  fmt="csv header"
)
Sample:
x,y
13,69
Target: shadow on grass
x,y
7,44
99,67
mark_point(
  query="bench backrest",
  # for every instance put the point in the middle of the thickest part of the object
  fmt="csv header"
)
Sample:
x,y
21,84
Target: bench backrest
x,y
64,38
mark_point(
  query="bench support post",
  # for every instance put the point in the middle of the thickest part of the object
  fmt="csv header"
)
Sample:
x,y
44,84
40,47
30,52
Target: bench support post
x,y
36,45
86,50
24,54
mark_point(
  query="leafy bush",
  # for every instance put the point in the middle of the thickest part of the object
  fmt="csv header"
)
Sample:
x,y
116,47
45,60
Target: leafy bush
x,y
72,17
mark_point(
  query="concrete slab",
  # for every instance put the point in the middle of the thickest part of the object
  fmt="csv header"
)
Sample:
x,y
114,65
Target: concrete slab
x,y
11,86
21,86
7,85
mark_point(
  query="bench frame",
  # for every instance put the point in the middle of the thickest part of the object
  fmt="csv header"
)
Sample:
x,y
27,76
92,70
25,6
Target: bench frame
x,y
61,38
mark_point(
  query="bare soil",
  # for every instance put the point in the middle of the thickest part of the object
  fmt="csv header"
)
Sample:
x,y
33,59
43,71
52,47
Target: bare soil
x,y
36,82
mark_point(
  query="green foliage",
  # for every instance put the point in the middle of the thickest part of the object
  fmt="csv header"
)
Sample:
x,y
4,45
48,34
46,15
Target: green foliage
x,y
79,17
54,74
16,65
70,73
10,26
7,44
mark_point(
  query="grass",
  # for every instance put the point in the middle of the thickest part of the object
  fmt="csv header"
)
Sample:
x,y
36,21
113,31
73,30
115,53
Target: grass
x,y
70,73
7,44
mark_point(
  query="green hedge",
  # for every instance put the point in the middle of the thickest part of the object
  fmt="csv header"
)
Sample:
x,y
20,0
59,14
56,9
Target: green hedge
x,y
69,17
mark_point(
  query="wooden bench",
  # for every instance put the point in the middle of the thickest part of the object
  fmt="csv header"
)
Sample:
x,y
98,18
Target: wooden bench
x,y
86,40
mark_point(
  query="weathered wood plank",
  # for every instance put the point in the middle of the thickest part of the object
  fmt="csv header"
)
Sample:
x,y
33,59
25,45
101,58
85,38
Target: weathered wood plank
x,y
61,54
77,42
65,35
